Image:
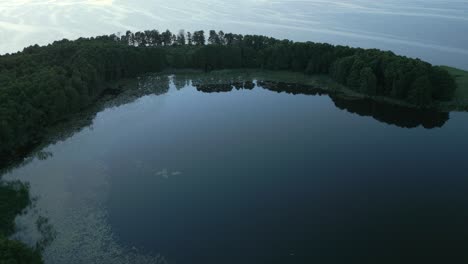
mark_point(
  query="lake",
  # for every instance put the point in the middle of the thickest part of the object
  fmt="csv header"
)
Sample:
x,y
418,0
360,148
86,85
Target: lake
x,y
194,169
184,171
433,30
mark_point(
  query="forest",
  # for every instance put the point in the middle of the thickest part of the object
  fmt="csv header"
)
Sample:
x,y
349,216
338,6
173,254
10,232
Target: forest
x,y
41,86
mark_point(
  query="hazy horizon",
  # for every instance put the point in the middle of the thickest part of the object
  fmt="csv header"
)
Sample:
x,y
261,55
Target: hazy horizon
x,y
431,30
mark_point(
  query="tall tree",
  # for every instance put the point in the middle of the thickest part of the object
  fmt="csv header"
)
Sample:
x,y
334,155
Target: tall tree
x,y
181,38
174,39
140,39
157,39
221,37
149,37
214,38
199,38
130,38
229,38
167,38
189,38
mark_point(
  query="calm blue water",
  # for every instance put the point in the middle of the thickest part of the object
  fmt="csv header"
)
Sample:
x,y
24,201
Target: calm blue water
x,y
253,176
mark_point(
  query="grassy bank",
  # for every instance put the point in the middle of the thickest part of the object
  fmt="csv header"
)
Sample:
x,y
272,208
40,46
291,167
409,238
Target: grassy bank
x,y
460,97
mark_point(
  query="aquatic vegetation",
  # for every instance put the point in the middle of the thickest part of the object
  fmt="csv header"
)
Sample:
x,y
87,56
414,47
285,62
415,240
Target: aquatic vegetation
x,y
14,198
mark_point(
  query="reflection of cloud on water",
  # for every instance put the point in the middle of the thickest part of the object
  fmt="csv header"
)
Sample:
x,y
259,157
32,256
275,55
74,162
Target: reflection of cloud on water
x,y
43,155
166,174
74,206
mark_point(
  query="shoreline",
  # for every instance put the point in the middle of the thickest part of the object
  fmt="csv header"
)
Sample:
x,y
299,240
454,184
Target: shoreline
x,y
458,104
322,82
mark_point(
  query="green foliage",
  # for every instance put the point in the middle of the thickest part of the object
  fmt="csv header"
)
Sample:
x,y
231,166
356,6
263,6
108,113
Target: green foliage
x,y
14,198
461,80
382,73
368,81
214,38
420,93
217,57
443,83
41,86
15,252
199,38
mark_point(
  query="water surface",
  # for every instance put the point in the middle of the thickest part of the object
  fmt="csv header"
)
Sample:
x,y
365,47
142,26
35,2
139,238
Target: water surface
x,y
261,173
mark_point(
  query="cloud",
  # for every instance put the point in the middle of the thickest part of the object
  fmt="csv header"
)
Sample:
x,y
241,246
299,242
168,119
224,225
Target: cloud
x,y
101,2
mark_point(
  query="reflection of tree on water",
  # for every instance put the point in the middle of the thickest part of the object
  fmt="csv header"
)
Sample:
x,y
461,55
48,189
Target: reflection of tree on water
x,y
388,113
180,81
392,114
141,86
149,84
226,87
214,88
291,88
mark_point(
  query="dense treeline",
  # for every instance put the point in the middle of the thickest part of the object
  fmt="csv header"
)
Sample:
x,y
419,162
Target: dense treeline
x,y
372,72
375,72
43,85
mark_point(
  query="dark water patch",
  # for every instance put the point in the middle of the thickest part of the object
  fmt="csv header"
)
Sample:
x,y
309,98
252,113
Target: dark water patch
x,y
401,116
292,88
227,87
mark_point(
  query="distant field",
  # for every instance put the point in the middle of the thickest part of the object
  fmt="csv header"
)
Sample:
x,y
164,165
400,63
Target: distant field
x,y
461,77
